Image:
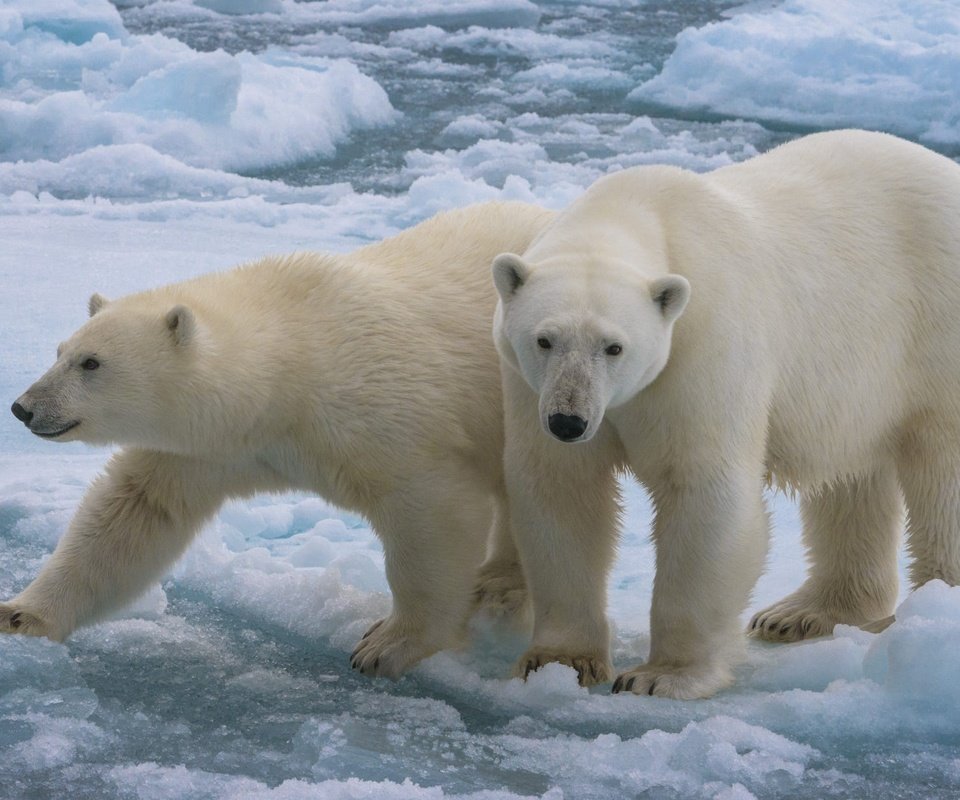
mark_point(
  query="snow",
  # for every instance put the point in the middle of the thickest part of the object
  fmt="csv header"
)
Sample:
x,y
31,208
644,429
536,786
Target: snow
x,y
149,141
96,86
889,65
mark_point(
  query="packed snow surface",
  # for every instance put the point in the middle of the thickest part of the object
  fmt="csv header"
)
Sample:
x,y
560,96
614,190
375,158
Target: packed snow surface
x,y
149,141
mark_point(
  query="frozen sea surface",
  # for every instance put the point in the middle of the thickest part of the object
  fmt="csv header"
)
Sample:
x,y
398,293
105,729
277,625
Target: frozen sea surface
x,y
146,142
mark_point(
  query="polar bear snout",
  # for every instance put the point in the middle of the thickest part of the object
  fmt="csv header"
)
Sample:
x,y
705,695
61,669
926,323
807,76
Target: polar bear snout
x,y
567,427
42,417
21,413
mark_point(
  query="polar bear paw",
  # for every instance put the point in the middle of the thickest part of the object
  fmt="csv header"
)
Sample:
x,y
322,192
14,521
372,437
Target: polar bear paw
x,y
591,668
678,683
804,615
387,650
807,613
501,589
15,620
784,622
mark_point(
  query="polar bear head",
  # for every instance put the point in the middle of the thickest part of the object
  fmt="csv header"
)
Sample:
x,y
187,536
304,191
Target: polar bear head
x,y
113,380
584,339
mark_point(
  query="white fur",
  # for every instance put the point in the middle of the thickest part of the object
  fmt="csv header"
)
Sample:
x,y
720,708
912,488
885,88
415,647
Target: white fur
x,y
369,378
819,350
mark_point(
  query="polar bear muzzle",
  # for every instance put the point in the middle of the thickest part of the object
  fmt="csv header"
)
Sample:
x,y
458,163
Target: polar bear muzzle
x,y
40,419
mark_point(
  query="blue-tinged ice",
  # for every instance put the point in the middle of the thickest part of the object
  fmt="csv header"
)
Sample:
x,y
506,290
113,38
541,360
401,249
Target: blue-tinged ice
x,y
75,22
67,92
889,65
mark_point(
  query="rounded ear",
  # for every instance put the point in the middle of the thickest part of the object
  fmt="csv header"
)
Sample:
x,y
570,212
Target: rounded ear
x,y
670,294
97,302
509,274
181,323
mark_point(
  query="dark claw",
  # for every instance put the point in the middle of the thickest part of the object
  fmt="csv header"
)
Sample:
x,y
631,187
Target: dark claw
x,y
593,672
629,684
372,628
529,668
785,629
617,685
652,687
15,620
354,663
376,663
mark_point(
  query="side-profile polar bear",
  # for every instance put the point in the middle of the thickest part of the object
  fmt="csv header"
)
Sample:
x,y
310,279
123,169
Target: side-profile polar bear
x,y
794,319
369,378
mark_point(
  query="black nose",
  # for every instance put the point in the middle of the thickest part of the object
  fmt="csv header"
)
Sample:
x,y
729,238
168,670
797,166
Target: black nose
x,y
567,427
21,413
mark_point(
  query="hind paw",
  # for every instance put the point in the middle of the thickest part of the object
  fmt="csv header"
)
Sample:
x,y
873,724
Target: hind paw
x,y
501,589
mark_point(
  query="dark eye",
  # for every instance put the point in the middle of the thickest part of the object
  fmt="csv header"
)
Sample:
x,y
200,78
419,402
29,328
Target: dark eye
x,y
614,350
90,364
544,343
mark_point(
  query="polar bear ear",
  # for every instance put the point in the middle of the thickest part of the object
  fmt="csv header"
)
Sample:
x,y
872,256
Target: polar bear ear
x,y
670,294
97,302
509,274
182,324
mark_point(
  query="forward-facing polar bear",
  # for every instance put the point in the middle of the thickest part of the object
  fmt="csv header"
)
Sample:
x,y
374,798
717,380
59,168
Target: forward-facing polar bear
x,y
794,319
369,378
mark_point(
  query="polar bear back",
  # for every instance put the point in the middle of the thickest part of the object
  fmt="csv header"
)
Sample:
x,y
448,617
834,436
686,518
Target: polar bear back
x,y
351,370
825,273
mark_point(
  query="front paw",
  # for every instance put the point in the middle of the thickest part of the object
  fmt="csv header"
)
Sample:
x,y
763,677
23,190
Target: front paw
x,y
14,619
679,683
388,650
592,668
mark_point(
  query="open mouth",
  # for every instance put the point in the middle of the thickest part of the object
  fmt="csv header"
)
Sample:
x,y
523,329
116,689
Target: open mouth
x,y
55,434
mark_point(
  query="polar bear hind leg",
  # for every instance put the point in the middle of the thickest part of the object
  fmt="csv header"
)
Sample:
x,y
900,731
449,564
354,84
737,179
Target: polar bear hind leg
x,y
851,530
501,589
929,470
433,532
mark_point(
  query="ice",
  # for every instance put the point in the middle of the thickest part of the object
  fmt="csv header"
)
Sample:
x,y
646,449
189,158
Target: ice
x,y
918,658
144,142
819,64
74,22
75,81
721,756
207,110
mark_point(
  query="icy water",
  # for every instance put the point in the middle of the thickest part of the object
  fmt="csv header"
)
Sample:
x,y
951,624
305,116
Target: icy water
x,y
155,140
560,84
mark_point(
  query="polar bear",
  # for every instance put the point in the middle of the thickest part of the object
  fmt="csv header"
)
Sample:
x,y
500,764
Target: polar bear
x,y
369,378
788,320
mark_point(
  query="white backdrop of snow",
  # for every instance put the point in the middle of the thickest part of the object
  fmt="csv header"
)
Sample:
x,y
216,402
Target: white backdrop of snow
x,y
231,680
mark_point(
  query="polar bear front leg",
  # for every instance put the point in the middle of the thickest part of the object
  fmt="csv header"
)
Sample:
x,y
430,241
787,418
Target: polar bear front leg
x,y
434,531
564,502
711,541
134,521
